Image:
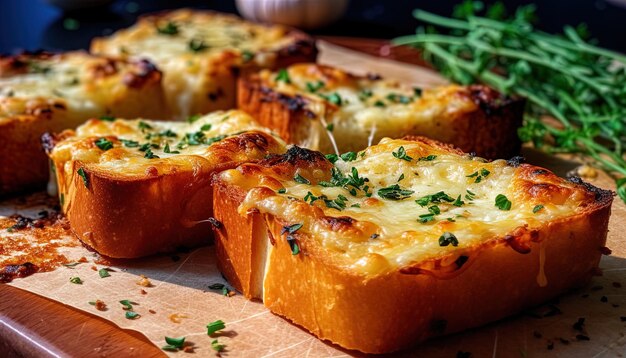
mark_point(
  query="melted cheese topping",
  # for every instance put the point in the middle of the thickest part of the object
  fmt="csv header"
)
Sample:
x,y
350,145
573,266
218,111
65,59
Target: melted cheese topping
x,y
390,234
357,106
140,148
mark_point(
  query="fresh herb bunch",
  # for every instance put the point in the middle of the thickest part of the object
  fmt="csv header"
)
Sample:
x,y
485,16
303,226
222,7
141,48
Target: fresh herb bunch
x,y
564,77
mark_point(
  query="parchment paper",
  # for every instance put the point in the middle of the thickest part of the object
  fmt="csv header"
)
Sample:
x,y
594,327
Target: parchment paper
x,y
180,287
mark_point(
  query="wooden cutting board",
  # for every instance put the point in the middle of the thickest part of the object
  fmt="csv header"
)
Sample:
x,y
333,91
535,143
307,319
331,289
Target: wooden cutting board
x,y
34,326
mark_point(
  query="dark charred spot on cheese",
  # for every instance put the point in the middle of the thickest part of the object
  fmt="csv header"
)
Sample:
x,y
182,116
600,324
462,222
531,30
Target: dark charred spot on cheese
x,y
338,223
302,47
373,76
48,141
143,73
294,104
108,67
296,156
515,161
9,272
491,101
601,195
518,243
246,142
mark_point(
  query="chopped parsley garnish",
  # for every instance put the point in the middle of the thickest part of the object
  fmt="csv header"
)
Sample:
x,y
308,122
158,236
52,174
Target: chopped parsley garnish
x,y
150,155
434,210
168,29
218,347
330,127
144,147
76,280
314,86
295,248
479,175
394,192
291,240
333,98
290,229
448,238
401,154
193,118
131,315
283,76
537,208
83,175
195,138
128,306
220,286
427,158
129,143
300,179
379,103
107,118
398,98
332,158
72,264
215,326
167,149
143,126
311,197
197,45
470,195
173,344
401,177
104,273
348,156
451,220
503,203
247,55
103,144
282,191
215,139
365,94
458,201
339,203
417,91
424,218
439,197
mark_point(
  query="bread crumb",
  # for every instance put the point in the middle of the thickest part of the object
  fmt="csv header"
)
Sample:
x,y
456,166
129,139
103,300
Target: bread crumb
x,y
176,318
144,281
100,305
152,311
587,172
143,292
94,268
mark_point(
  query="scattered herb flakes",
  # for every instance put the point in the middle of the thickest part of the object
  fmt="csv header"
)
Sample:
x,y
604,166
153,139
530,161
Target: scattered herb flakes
x,y
537,208
503,203
72,264
129,143
149,155
197,45
83,175
417,91
144,126
448,238
394,192
103,272
282,191
107,118
332,158
401,177
300,179
247,55
348,156
217,346
193,118
290,229
170,28
398,98
458,201
215,326
438,197
131,315
365,94
173,344
333,98
401,154
428,158
293,245
128,305
470,195
425,218
434,210
479,175
379,103
103,144
283,76
314,86
76,280
167,149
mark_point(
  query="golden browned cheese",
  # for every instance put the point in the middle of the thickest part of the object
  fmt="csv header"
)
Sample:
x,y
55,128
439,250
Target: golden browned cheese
x,y
132,188
327,109
201,52
405,237
44,92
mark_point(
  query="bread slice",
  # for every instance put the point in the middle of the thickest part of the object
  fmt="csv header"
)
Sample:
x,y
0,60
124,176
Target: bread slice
x,y
201,53
43,92
132,188
301,102
407,240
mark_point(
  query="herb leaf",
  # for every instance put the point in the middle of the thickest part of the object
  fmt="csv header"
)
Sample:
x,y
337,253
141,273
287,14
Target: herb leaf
x,y
401,154
103,144
283,76
394,192
215,326
537,208
104,273
300,179
170,28
503,203
448,238
175,342
83,175
76,280
131,315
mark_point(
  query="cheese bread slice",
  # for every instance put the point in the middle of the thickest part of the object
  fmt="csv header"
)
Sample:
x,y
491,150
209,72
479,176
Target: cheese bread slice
x,y
201,53
132,188
44,92
327,109
403,241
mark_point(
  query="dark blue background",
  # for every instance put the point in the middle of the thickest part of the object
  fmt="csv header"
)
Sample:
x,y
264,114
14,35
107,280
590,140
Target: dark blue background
x,y
33,24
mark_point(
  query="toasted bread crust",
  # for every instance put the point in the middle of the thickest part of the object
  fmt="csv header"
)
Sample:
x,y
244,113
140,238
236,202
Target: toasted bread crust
x,y
489,129
107,87
441,295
